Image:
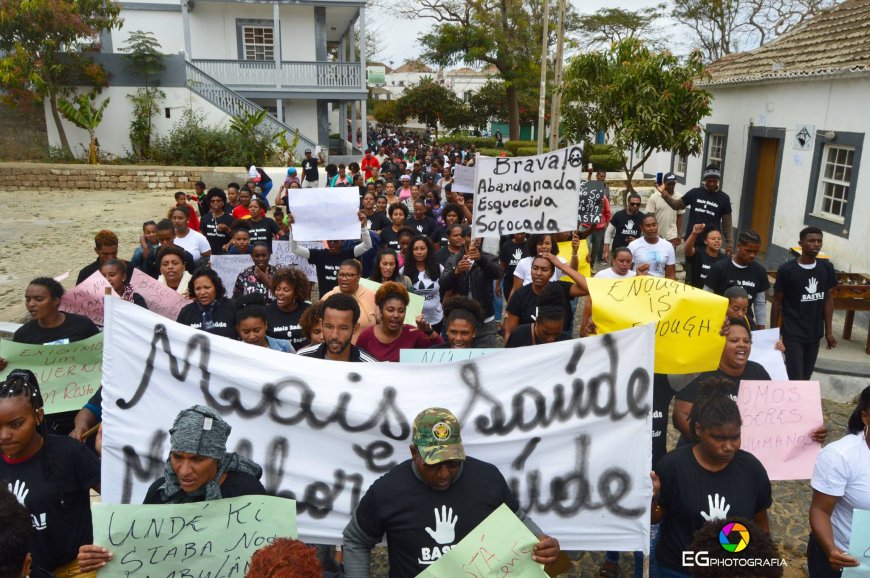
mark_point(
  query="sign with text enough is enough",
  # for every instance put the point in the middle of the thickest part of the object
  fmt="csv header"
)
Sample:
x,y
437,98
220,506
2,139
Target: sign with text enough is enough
x,y
687,320
215,538
568,424
536,194
68,374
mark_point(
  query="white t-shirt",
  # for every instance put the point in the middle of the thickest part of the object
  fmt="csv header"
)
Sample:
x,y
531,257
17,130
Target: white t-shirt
x,y
658,255
194,243
843,469
609,273
524,270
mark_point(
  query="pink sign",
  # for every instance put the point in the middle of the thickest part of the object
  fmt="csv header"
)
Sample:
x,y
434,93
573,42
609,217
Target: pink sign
x,y
779,418
86,298
159,298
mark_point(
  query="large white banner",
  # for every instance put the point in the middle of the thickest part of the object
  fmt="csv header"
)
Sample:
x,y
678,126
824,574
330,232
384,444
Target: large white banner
x,y
539,194
568,424
324,214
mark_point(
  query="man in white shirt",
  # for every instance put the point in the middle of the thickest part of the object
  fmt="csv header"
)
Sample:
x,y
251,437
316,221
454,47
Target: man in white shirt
x,y
670,221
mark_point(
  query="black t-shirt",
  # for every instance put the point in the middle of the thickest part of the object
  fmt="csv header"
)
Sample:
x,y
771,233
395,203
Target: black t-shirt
x,y
510,254
209,228
379,220
753,278
688,489
626,226
425,226
60,506
521,336
285,325
443,254
707,208
389,237
74,328
803,299
701,264
263,230
327,266
236,484
752,372
524,304
309,169
223,318
400,506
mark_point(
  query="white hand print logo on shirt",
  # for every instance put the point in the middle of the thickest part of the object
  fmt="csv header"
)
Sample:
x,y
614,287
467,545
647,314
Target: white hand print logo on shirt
x,y
812,291
443,534
812,285
19,490
718,508
420,228
518,255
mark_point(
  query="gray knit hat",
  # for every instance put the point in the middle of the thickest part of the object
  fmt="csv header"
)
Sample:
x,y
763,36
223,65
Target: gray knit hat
x,y
201,431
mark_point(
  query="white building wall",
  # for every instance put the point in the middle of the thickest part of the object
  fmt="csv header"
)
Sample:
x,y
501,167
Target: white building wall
x,y
166,27
829,105
113,132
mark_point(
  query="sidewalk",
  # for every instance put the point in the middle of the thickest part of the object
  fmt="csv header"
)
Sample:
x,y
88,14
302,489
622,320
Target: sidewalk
x,y
843,372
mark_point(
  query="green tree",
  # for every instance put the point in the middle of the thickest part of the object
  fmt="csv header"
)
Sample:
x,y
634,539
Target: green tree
x,y
646,100
83,112
42,50
143,54
431,103
503,33
489,104
609,25
387,112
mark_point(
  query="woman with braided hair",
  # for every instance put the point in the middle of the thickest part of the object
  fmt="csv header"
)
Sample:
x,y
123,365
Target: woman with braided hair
x,y
50,475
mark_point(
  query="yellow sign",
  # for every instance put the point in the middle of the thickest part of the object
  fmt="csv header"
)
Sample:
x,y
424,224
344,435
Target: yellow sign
x,y
688,320
582,265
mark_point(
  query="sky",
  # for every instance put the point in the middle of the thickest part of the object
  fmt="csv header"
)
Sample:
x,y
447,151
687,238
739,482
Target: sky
x,y
399,47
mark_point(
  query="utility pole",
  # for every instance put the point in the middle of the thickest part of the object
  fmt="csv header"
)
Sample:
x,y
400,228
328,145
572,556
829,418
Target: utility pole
x,y
556,99
543,94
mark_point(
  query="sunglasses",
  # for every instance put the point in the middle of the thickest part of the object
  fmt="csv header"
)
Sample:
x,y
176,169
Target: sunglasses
x,y
634,204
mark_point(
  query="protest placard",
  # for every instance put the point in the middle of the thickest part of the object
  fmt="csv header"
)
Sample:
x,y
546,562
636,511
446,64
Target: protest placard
x,y
212,538
443,355
687,320
325,214
572,416
158,297
415,302
779,418
463,179
499,546
538,194
591,197
764,353
859,545
68,374
86,298
583,266
228,267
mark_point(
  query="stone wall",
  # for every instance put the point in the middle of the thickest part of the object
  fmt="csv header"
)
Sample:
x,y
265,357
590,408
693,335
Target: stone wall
x,y
30,176
22,133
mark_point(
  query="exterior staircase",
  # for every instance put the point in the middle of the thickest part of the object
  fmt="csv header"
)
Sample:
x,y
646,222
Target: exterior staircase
x,y
235,104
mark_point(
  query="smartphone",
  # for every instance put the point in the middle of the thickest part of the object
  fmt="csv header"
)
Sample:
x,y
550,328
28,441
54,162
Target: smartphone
x,y
659,178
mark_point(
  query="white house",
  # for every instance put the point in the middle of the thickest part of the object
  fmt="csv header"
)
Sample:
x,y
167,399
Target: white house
x,y
788,127
466,81
408,74
229,56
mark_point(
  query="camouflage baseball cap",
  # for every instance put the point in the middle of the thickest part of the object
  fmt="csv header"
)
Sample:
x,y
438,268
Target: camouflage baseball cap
x,y
436,435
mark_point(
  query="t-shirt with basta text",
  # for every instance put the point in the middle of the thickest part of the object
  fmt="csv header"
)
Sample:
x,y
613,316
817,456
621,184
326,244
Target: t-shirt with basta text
x,y
309,170
401,507
804,291
625,226
510,254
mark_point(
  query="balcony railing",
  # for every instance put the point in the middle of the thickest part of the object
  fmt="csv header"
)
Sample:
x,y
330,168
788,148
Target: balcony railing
x,y
296,75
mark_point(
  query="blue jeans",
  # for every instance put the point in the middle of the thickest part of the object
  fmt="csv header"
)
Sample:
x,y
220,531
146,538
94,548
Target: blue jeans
x,y
497,302
654,570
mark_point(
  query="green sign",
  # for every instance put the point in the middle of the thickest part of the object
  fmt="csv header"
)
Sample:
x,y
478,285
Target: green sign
x,y
68,374
376,75
215,538
499,546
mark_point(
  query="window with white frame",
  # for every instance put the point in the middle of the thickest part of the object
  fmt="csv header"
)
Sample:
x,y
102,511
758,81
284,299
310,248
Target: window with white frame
x,y
258,42
835,179
715,149
680,162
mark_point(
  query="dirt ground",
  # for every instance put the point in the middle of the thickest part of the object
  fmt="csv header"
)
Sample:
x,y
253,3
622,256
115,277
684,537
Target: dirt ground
x,y
53,232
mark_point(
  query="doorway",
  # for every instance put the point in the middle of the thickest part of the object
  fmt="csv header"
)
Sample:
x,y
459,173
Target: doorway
x,y
761,181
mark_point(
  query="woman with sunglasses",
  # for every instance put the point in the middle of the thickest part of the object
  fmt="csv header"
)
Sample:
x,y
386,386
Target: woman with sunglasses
x,y
50,475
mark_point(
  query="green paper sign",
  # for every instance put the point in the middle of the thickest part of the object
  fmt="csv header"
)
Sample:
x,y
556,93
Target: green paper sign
x,y
414,308
215,538
68,374
499,546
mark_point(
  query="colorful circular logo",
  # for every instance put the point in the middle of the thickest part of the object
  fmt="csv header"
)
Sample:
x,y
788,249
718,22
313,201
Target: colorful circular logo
x,y
441,431
734,537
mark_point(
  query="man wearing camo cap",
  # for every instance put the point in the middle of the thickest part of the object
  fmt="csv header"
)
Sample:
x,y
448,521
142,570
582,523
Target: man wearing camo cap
x,y
427,504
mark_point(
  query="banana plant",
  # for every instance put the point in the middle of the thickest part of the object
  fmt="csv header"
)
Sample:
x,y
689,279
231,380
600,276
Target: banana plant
x,y
85,114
